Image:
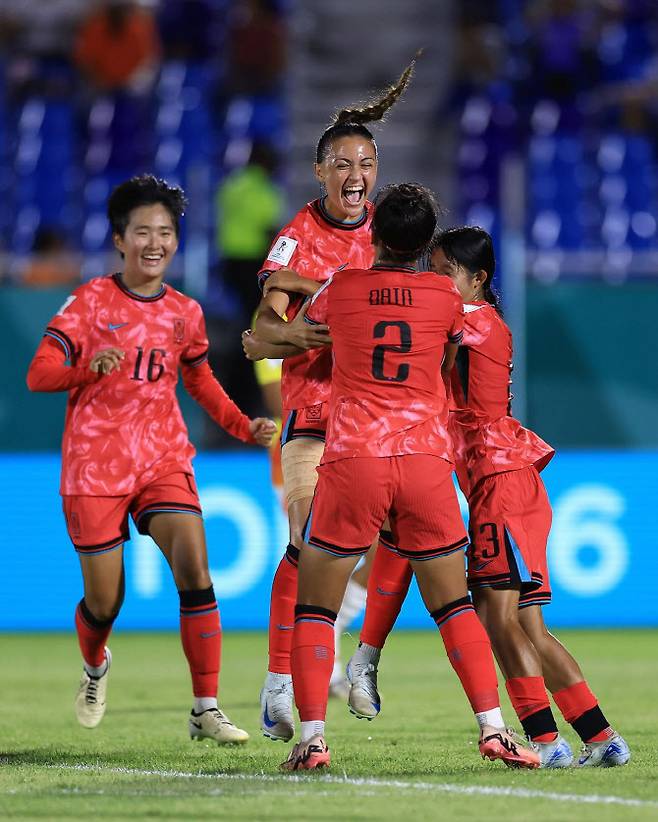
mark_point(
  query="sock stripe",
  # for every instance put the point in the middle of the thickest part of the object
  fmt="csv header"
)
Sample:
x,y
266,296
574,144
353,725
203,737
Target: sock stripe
x,y
452,609
90,620
315,613
292,554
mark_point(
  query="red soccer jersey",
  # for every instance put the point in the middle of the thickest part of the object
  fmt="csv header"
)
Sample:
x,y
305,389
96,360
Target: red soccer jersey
x,y
315,245
125,429
486,438
389,328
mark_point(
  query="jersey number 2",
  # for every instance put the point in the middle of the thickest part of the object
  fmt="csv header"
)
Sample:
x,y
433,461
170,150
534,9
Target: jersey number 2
x,y
380,350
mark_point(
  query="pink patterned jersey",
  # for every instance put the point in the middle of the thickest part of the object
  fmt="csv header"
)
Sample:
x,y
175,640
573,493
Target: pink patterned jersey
x,y
486,438
389,328
315,245
125,429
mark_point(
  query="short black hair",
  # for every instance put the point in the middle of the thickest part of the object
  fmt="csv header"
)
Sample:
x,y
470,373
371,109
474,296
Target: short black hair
x,y
142,191
405,220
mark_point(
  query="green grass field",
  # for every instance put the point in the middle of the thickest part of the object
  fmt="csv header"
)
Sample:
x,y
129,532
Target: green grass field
x,y
418,760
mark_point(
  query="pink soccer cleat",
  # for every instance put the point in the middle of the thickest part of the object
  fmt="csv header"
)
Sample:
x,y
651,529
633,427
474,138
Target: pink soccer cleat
x,y
308,756
496,743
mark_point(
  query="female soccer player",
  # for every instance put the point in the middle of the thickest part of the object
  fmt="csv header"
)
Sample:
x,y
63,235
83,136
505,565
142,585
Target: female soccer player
x,y
126,449
498,464
329,233
388,454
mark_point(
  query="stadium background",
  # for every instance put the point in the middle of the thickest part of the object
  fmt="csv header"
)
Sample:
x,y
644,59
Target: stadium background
x,y
536,120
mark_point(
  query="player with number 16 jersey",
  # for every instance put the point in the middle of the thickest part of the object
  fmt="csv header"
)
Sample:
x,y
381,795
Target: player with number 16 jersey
x,y
121,435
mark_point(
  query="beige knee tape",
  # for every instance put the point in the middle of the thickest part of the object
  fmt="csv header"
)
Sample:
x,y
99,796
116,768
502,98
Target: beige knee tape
x,y
299,459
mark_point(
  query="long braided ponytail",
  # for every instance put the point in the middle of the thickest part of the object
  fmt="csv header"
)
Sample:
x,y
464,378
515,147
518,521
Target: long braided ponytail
x,y
349,121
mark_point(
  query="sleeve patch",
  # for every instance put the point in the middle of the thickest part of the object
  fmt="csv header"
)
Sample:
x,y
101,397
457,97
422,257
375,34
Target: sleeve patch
x,y
282,250
67,302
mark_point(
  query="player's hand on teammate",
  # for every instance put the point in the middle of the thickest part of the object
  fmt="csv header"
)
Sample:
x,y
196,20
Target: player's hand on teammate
x,y
106,361
262,430
288,280
303,334
252,346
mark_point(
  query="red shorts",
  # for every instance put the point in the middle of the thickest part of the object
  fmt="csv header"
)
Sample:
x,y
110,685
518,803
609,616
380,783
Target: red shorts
x,y
99,524
354,496
305,422
510,519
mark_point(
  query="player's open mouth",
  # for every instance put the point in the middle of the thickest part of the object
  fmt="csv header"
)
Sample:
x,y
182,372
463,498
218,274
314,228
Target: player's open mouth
x,y
354,195
152,259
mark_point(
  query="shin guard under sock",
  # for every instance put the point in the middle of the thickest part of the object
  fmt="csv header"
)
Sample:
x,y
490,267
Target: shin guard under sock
x,y
201,637
282,612
469,651
388,584
312,660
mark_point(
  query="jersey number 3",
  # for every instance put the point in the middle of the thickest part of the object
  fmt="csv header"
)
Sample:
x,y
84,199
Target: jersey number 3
x,y
379,351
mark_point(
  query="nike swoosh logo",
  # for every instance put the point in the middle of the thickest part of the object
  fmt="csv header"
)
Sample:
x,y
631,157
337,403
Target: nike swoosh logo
x,y
196,724
285,627
481,565
386,593
267,720
207,636
114,326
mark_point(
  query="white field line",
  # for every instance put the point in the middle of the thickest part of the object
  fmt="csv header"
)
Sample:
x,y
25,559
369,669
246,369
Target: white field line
x,y
396,784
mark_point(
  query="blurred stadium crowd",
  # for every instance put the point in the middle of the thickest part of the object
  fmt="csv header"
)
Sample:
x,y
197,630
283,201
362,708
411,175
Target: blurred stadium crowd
x,y
195,91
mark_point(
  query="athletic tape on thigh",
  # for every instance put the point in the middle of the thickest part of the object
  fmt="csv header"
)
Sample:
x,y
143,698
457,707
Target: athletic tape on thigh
x,y
299,459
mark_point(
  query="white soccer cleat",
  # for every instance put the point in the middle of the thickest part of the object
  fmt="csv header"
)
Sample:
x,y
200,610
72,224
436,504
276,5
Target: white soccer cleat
x,y
214,724
556,754
90,699
276,710
607,754
363,700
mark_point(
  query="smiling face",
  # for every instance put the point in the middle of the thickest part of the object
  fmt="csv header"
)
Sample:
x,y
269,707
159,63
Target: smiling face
x,y
148,245
349,173
470,286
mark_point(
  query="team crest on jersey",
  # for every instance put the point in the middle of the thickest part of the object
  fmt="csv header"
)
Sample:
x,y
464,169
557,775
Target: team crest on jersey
x,y
282,250
314,413
179,330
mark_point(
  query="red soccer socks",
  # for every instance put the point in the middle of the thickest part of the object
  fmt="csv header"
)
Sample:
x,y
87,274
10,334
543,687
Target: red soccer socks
x,y
312,660
282,612
201,637
469,651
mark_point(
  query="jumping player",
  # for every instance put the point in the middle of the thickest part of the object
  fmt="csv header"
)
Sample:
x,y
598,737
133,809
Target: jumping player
x,y
388,454
126,449
328,234
498,464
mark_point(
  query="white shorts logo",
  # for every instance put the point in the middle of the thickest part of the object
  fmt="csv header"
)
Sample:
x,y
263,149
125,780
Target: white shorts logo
x,y
282,250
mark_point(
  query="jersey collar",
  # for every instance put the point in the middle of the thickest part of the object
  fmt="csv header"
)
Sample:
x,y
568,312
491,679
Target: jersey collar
x,y
390,267
134,295
318,206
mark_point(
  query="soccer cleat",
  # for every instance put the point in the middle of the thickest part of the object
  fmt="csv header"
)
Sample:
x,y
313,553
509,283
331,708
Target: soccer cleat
x,y
607,754
276,712
214,724
497,743
308,756
556,754
90,699
363,700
